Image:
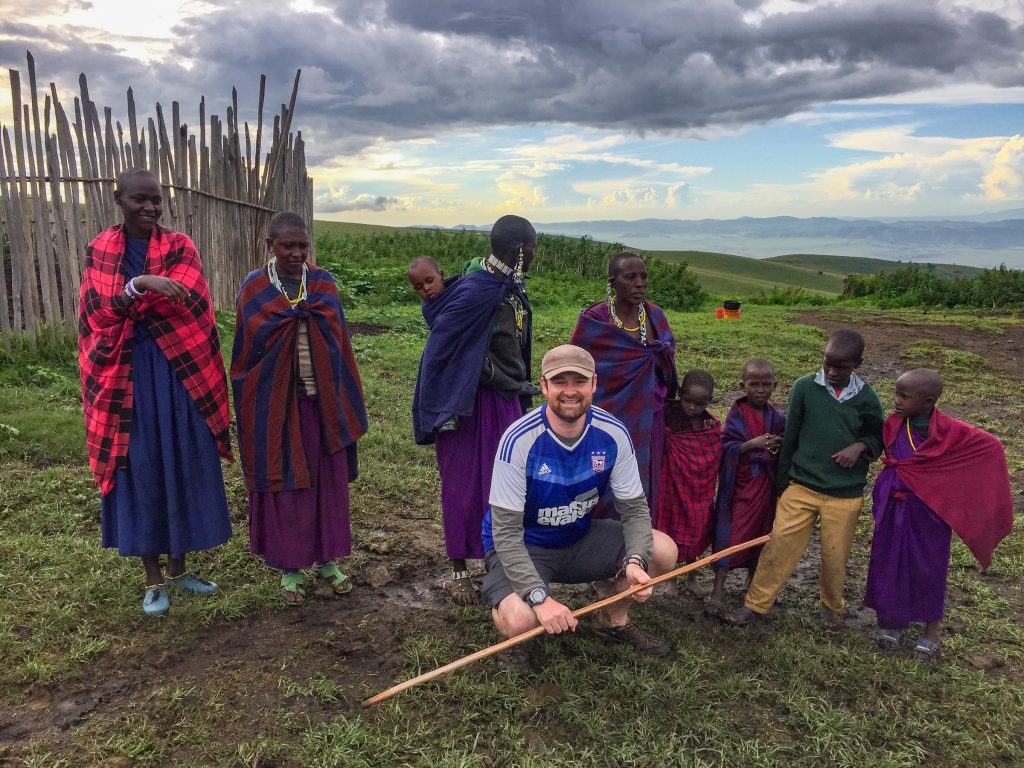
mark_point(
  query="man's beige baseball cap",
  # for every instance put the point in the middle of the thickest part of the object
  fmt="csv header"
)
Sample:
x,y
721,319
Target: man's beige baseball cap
x,y
567,357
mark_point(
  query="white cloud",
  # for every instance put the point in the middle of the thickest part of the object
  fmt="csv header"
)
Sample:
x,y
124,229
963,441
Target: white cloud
x,y
1006,178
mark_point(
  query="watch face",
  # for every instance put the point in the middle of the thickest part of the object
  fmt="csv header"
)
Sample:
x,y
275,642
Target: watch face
x,y
536,596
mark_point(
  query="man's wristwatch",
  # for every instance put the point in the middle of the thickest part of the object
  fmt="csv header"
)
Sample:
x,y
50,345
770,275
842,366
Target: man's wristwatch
x,y
536,596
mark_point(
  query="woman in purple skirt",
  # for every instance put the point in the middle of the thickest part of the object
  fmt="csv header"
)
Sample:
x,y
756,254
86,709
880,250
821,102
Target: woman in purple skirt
x,y
300,410
473,382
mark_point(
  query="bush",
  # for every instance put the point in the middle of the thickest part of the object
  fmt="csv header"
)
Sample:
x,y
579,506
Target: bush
x,y
673,286
915,286
787,297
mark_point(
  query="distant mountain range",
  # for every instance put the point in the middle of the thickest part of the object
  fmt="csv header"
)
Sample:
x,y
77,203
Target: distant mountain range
x,y
977,240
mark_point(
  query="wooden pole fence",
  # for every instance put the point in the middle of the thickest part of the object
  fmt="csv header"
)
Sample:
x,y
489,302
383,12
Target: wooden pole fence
x,y
58,169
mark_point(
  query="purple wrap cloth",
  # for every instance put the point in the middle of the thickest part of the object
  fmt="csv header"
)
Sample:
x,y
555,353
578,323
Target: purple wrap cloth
x,y
295,529
465,459
909,550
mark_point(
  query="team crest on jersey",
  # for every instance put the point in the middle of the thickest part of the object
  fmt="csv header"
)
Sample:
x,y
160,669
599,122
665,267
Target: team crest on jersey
x,y
597,462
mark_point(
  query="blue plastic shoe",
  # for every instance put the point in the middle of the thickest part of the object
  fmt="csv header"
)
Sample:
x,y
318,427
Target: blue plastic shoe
x,y
156,602
192,583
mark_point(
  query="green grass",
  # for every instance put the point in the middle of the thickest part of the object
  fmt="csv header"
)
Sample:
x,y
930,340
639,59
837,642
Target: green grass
x,y
784,695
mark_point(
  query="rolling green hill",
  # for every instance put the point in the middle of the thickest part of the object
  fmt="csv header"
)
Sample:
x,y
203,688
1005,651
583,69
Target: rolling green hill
x,y
724,274
859,265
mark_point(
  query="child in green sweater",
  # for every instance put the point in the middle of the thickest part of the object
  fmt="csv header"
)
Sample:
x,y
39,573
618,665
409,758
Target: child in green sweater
x,y
833,431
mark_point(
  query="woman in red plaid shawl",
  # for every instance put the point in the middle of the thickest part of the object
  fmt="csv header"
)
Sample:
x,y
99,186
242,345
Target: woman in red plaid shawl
x,y
299,403
634,349
154,394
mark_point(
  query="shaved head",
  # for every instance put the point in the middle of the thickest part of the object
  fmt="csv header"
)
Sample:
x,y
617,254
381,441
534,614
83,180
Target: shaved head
x,y
757,365
923,380
423,261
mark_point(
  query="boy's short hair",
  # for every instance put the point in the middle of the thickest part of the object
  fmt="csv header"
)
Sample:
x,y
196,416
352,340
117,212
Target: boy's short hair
x,y
756,364
424,260
698,378
847,343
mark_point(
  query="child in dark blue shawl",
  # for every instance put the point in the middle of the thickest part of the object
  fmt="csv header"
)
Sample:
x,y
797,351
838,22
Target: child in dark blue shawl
x,y
473,382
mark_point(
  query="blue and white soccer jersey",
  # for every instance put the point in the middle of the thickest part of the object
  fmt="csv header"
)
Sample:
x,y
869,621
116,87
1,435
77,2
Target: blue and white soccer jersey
x,y
557,486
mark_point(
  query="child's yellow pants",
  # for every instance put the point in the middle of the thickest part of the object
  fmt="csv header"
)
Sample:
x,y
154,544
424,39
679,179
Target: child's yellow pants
x,y
795,514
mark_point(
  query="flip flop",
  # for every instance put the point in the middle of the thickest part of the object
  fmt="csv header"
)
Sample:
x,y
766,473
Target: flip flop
x,y
713,607
340,583
925,649
888,639
293,587
461,589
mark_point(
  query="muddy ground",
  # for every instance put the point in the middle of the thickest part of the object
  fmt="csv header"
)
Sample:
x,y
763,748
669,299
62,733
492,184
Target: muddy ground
x,y
399,595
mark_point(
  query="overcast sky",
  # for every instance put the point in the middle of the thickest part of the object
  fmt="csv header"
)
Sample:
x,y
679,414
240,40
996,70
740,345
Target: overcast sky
x,y
455,111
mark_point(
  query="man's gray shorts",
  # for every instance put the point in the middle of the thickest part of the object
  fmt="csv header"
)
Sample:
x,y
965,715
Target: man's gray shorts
x,y
595,557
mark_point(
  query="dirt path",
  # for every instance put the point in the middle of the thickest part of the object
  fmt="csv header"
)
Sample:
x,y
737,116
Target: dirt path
x,y
887,340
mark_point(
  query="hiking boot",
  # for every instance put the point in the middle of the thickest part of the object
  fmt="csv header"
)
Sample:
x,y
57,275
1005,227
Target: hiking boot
x,y
631,634
517,657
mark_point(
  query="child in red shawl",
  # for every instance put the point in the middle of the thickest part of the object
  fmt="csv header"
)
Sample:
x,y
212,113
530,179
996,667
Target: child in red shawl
x,y
941,475
745,507
689,471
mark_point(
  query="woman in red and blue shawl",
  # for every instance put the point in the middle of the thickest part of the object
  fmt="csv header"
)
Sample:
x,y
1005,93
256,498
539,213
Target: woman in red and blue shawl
x,y
473,382
635,353
300,410
745,507
154,394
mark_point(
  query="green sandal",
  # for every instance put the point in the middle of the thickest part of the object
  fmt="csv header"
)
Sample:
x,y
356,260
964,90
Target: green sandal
x,y
293,587
338,581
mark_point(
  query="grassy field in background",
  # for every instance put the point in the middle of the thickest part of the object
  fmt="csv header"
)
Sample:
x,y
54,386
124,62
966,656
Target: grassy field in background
x,y
862,265
723,274
284,692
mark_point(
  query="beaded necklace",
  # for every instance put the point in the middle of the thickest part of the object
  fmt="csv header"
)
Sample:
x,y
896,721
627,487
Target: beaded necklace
x,y
496,266
272,274
641,320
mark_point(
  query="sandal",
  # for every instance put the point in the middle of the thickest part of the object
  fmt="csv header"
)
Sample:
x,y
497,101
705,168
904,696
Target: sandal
x,y
888,639
191,583
339,582
713,607
461,588
831,620
156,602
926,650
741,617
293,587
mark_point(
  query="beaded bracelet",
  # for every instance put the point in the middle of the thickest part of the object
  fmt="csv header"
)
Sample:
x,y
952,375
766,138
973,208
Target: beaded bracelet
x,y
633,559
133,293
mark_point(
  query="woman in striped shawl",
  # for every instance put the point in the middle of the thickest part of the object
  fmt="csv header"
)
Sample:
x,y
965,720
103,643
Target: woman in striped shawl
x,y
635,353
300,411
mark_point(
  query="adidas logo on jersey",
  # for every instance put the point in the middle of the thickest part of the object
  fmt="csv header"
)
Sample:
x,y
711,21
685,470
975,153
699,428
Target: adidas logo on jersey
x,y
544,470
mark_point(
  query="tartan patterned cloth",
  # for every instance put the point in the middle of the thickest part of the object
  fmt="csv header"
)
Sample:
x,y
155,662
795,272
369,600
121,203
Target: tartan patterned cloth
x,y
264,379
631,376
689,471
745,507
186,333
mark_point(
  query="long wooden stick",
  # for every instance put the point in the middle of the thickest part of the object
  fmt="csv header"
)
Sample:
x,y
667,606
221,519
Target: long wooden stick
x,y
498,647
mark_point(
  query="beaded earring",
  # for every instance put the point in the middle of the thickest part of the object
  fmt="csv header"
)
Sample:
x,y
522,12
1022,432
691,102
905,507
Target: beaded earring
x,y
519,267
608,290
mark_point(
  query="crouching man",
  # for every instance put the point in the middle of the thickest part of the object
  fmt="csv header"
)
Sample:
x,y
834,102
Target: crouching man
x,y
552,467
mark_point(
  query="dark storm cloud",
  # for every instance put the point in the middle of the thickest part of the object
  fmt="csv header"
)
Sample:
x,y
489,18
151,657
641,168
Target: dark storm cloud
x,y
405,68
